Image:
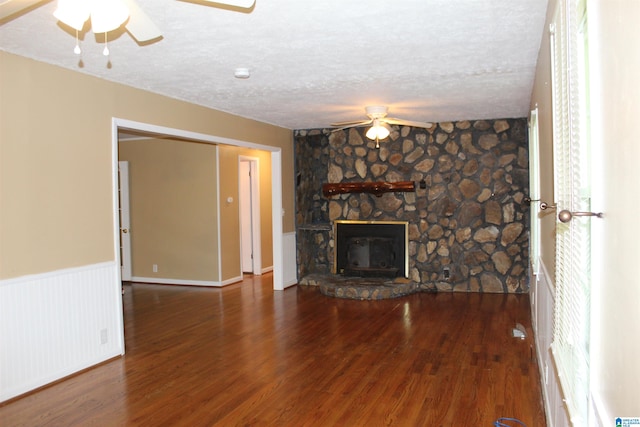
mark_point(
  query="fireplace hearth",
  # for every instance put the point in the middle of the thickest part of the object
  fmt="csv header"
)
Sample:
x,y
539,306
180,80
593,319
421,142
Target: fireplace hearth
x,y
360,288
371,248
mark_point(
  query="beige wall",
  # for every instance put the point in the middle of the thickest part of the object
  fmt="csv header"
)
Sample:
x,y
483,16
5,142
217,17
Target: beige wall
x,y
55,160
614,51
615,72
173,208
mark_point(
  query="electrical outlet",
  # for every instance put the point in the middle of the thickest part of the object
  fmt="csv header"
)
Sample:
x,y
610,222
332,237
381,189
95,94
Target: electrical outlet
x,y
446,273
155,268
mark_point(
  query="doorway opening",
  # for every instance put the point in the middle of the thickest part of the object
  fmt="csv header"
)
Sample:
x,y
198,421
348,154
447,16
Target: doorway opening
x,y
250,241
125,220
276,181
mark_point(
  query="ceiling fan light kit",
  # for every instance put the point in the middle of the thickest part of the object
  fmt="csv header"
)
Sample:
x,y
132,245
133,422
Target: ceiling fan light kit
x,y
74,17
380,123
106,15
379,130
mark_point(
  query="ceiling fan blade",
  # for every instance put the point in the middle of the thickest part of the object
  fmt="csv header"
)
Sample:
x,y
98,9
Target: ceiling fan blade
x,y
402,122
12,7
140,26
243,4
348,127
352,123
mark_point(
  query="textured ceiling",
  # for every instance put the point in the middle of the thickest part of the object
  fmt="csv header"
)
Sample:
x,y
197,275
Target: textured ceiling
x,y
316,62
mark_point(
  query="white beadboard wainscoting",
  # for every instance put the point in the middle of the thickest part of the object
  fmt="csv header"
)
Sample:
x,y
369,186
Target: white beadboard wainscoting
x,y
542,306
58,323
290,275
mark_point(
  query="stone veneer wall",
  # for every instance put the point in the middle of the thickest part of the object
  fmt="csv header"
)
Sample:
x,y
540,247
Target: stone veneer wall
x,y
471,216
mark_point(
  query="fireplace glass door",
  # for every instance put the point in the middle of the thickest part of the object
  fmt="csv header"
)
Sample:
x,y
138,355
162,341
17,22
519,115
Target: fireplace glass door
x,y
371,248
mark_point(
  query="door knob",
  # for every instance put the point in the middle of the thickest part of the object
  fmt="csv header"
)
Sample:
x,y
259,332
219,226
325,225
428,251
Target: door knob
x,y
566,216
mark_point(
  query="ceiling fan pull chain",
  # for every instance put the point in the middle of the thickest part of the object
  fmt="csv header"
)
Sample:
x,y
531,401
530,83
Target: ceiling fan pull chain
x,y
105,52
77,49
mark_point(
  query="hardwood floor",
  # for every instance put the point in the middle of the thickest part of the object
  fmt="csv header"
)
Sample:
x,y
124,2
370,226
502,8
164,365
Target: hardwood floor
x,y
245,355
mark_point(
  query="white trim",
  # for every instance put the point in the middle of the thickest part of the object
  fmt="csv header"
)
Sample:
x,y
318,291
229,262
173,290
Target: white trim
x,y
599,411
56,273
276,180
218,212
277,214
115,199
49,274
266,270
196,136
231,281
547,279
534,190
116,226
164,281
290,268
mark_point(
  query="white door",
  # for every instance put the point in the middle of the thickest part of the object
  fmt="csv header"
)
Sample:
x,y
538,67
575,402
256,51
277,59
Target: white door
x,y
123,211
249,205
246,231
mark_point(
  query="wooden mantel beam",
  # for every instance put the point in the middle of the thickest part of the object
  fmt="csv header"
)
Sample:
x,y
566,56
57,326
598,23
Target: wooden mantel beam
x,y
375,188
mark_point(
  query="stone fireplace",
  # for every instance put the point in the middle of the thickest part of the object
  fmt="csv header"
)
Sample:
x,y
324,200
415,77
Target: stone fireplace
x,y
467,216
371,248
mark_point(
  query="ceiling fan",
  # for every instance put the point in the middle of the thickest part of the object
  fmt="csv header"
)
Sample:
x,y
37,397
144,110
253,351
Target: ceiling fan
x,y
380,123
136,22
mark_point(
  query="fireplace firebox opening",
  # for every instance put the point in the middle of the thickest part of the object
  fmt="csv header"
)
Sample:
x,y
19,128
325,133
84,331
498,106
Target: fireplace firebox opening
x,y
371,248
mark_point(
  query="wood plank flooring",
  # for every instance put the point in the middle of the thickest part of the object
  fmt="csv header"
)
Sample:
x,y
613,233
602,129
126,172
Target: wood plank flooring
x,y
244,355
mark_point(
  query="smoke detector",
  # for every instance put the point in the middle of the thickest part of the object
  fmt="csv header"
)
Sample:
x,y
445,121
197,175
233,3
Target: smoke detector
x,y
242,73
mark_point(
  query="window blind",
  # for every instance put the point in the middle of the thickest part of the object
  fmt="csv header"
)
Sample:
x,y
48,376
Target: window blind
x,y
571,329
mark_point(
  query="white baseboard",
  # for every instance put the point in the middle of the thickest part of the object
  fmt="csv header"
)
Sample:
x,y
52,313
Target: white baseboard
x,y
231,281
599,416
165,281
57,323
181,282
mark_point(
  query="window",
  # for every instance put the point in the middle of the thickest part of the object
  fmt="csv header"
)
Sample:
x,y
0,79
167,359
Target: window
x,y
571,326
